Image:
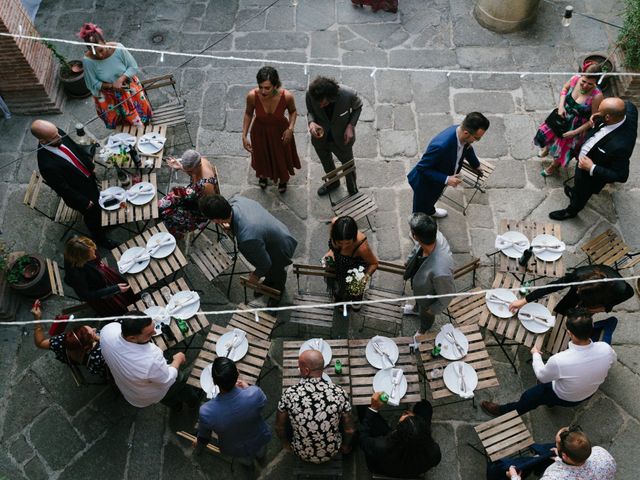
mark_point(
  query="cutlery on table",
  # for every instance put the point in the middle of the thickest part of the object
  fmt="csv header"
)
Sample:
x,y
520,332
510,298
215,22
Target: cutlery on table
x,y
452,339
231,345
159,243
124,267
463,385
536,318
382,352
141,191
395,381
496,299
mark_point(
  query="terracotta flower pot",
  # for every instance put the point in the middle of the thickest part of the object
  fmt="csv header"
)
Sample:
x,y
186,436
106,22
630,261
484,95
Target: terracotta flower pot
x,y
35,279
73,82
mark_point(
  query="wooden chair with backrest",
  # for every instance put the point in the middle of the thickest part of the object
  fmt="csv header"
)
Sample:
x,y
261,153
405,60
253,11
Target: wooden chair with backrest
x,y
312,317
357,205
172,113
64,215
472,180
464,310
259,288
609,249
387,315
503,436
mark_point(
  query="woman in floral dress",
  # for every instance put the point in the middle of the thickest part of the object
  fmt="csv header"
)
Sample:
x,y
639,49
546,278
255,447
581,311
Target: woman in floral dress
x,y
179,208
578,99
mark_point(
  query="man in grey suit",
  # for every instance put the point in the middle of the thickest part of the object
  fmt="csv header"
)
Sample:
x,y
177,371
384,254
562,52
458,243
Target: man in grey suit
x,y
332,112
263,239
430,269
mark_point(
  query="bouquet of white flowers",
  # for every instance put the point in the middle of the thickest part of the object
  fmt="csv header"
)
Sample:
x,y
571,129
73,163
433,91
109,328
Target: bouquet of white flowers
x,y
356,281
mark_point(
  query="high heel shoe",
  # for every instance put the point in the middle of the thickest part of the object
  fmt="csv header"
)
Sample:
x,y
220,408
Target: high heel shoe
x,y
263,183
548,172
282,187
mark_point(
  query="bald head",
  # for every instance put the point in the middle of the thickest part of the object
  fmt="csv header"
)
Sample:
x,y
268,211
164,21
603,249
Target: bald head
x,y
46,132
311,363
612,110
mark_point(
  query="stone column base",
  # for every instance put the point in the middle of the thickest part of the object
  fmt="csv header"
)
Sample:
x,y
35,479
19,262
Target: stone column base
x,y
506,16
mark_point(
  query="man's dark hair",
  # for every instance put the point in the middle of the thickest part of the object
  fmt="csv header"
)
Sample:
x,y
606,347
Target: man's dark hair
x,y
323,88
215,207
134,326
224,373
575,444
580,323
344,228
423,227
474,122
268,73
410,441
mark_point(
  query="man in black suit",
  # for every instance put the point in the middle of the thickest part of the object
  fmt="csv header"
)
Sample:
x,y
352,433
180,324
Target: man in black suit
x,y
69,171
604,156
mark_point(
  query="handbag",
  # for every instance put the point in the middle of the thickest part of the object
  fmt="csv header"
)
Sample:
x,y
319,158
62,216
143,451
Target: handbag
x,y
558,124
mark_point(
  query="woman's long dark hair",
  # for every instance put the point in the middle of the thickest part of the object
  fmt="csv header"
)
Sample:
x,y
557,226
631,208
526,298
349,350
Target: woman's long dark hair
x,y
410,441
344,228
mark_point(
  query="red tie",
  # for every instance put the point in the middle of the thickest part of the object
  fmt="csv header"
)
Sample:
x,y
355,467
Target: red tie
x,y
75,160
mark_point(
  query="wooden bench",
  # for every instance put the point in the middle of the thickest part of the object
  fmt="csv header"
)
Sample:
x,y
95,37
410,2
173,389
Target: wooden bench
x,y
504,436
65,215
609,249
356,205
470,179
172,113
311,471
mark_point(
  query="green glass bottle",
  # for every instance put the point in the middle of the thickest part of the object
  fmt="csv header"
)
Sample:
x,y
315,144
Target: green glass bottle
x,y
338,367
384,397
435,352
182,325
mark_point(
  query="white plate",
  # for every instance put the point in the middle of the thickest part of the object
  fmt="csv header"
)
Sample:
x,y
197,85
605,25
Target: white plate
x,y
132,253
165,250
151,143
546,255
114,142
237,353
118,192
452,379
535,309
206,382
375,359
449,351
159,318
324,348
514,236
141,199
382,383
498,309
187,311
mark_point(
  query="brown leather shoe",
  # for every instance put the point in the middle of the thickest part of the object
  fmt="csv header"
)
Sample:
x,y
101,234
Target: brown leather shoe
x,y
490,408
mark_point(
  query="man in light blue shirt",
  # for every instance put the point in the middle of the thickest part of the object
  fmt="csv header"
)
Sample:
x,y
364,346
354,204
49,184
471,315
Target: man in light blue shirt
x,y
234,415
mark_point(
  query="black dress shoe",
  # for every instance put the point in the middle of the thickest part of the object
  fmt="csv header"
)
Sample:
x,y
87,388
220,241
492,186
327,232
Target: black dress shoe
x,y
568,191
324,190
561,215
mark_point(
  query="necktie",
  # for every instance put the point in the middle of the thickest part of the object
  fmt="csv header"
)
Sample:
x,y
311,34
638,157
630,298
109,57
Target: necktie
x,y
75,160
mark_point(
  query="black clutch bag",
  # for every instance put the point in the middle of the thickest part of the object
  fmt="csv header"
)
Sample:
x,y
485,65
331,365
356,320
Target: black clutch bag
x,y
557,123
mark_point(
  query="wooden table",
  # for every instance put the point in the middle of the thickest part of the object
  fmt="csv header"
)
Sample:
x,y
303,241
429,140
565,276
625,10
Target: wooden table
x,y
139,132
249,366
538,268
339,351
158,269
196,323
512,328
477,356
247,321
362,372
133,213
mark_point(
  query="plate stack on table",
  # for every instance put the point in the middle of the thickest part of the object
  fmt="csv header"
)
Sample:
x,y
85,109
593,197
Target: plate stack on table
x,y
363,372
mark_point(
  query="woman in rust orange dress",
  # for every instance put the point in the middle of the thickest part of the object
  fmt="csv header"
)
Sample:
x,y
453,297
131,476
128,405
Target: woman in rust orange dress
x,y
272,146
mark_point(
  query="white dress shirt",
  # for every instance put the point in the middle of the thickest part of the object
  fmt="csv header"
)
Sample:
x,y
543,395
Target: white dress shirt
x,y
140,370
595,138
460,149
576,373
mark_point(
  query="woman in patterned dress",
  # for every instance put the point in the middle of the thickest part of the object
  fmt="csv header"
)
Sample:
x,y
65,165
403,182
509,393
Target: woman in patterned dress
x,y
179,208
80,346
579,97
272,146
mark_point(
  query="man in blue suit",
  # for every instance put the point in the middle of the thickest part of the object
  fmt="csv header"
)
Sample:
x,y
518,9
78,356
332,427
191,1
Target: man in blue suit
x,y
442,161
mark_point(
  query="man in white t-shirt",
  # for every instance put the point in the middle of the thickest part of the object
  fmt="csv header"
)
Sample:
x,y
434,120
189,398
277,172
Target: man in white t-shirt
x,y
569,377
139,367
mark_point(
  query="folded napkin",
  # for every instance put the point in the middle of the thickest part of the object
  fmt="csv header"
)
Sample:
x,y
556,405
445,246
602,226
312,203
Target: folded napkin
x,y
175,307
156,141
238,338
166,239
105,197
464,390
555,247
396,380
146,190
124,267
503,243
541,319
449,333
213,392
316,344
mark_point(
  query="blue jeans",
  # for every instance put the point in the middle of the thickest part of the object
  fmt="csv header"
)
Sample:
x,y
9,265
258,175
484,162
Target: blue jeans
x,y
606,328
496,470
541,394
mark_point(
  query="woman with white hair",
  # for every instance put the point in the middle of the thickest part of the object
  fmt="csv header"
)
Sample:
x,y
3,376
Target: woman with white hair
x,y
179,208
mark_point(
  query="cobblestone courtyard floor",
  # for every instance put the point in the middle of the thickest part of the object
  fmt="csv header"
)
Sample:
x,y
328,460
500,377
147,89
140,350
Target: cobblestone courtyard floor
x,y
49,428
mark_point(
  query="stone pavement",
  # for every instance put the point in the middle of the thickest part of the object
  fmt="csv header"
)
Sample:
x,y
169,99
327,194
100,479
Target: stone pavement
x,y
52,429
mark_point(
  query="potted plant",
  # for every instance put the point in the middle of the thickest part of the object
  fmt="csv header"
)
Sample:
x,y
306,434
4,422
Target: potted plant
x,y
26,274
71,74
628,49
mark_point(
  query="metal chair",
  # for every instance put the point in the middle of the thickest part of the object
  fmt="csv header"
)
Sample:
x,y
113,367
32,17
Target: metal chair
x,y
471,179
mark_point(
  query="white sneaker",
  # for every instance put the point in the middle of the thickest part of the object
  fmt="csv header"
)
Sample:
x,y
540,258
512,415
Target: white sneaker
x,y
440,213
408,309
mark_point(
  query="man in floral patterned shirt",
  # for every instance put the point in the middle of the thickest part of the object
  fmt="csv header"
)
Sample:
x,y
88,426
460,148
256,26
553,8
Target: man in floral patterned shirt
x,y
312,414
